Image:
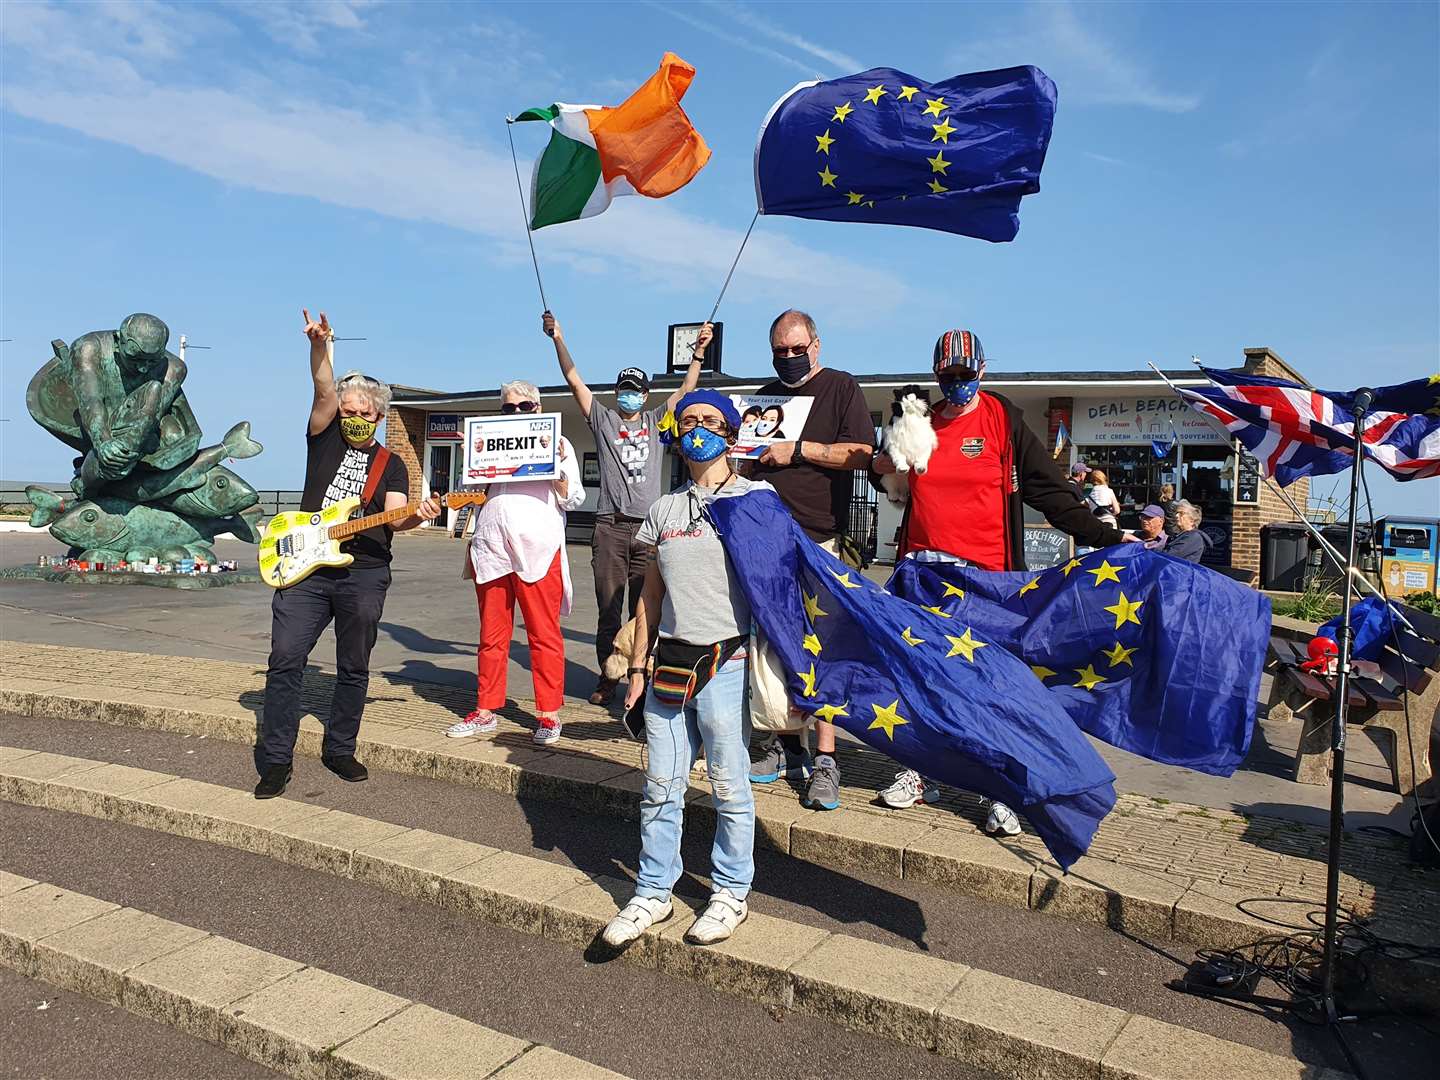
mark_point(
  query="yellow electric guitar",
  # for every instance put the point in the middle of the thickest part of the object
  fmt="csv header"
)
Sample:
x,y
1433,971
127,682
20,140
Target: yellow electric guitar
x,y
296,544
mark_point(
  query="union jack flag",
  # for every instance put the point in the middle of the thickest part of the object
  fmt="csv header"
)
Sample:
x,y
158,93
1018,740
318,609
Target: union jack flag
x,y
1294,431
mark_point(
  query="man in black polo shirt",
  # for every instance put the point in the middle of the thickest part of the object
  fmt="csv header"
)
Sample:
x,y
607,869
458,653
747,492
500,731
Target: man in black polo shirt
x,y
341,453
813,475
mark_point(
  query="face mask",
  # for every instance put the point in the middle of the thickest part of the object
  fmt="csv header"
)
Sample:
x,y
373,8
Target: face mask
x,y
702,444
960,392
793,369
356,430
630,401
763,428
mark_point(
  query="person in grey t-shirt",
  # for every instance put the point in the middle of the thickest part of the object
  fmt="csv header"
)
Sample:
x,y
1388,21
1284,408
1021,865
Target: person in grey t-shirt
x,y
627,443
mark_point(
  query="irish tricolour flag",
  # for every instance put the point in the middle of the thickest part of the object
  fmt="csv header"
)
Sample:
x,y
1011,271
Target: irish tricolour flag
x,y
645,146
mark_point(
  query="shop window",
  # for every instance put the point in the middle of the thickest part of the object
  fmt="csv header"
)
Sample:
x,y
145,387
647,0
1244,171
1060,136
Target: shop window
x,y
1135,475
1208,480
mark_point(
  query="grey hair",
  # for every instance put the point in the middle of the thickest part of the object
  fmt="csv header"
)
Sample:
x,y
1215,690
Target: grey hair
x,y
372,390
527,390
794,315
1185,508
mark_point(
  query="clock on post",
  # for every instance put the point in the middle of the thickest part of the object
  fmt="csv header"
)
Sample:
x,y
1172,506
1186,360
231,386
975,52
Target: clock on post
x,y
680,344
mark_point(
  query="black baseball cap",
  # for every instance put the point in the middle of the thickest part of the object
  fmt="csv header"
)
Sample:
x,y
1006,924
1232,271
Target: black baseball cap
x,y
633,378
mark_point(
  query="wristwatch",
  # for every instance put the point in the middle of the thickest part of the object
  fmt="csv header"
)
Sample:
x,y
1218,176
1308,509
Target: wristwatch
x,y
798,458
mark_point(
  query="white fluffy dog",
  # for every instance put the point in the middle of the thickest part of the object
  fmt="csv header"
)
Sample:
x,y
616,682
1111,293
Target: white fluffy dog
x,y
909,440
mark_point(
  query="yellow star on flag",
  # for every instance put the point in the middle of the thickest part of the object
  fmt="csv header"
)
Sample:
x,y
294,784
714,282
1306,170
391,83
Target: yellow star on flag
x,y
875,93
697,441
1071,565
854,197
937,611
824,142
1118,655
844,579
811,644
827,178
812,607
1088,679
1033,583
935,106
943,131
938,162
828,713
843,111
953,590
1434,380
936,187
910,639
1106,572
809,677
907,92
1041,671
887,719
1124,611
964,646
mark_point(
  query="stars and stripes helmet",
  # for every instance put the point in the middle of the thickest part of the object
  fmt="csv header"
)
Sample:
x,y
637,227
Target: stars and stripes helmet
x,y
959,350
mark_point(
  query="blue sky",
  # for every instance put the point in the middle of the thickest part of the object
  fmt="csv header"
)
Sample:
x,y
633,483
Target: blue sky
x,y
1221,176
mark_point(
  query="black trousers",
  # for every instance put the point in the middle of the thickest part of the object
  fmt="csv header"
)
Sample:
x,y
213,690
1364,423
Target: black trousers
x,y
618,560
354,599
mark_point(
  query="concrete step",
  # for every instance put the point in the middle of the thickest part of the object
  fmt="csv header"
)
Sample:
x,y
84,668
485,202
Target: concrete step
x,y
298,1020
1000,1024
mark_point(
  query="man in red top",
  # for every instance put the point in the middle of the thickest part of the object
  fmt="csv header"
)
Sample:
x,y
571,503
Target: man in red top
x,y
969,504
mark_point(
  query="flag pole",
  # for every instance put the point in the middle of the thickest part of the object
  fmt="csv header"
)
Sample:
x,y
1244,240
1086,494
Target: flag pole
x,y
734,264
520,190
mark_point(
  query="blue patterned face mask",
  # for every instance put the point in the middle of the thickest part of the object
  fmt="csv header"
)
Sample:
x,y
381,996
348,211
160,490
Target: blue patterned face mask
x,y
630,401
960,392
701,444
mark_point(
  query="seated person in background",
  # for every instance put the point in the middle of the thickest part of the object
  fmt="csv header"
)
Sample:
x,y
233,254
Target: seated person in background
x,y
1189,543
1152,528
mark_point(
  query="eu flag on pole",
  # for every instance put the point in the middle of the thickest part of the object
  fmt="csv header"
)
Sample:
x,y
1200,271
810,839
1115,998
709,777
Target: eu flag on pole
x,y
919,685
884,146
1149,653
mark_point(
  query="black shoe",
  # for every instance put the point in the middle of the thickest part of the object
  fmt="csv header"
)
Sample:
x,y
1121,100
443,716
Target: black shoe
x,y
347,768
272,782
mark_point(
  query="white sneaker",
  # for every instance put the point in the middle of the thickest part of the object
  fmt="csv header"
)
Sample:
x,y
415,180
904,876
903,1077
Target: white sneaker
x,y
719,920
477,723
547,731
641,913
1002,820
908,789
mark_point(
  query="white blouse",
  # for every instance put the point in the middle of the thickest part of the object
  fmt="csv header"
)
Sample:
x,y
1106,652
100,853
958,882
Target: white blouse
x,y
522,525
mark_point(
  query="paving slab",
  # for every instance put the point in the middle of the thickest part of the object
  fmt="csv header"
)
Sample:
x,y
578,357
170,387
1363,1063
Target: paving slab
x,y
291,1026
413,862
547,1063
755,963
868,987
855,839
30,914
1149,1049
12,883
187,988
1017,1029
973,864
1139,902
92,958
508,890
425,1044
327,841
10,753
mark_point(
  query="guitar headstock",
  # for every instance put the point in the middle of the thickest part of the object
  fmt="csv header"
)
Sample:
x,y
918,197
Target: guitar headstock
x,y
456,499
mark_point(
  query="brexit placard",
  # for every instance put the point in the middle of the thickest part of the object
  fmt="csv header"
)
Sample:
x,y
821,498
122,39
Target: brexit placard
x,y
499,449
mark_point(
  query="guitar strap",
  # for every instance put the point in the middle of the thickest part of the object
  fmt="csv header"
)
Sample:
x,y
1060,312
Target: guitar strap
x,y
372,479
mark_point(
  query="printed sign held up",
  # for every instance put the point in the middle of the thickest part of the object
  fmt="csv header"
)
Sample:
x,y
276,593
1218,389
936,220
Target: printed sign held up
x,y
768,419
499,449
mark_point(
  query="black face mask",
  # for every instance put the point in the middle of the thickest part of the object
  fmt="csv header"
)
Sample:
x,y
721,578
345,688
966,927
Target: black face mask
x,y
792,369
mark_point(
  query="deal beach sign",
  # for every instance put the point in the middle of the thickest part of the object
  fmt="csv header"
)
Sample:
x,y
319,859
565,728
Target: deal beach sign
x,y
1137,421
499,449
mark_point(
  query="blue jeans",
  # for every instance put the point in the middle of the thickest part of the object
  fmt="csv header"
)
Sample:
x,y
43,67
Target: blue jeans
x,y
719,718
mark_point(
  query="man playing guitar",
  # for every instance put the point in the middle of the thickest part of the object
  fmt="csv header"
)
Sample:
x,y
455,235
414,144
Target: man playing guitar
x,y
343,460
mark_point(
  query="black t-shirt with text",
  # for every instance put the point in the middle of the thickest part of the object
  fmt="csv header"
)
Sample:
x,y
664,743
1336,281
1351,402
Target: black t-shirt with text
x,y
335,470
817,497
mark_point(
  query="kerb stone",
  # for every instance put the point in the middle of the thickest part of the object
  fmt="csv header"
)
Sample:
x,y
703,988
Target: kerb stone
x,y
755,963
546,1063
31,914
1153,1050
422,1042
856,840
92,792
12,883
508,889
1207,915
576,917
972,864
1137,901
22,779
218,814
93,957
327,841
412,863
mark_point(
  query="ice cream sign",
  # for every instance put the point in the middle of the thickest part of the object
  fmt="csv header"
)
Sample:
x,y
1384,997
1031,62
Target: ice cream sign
x,y
1140,420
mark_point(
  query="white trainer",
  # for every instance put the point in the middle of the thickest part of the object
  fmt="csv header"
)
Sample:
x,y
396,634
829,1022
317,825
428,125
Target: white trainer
x,y
641,913
479,722
725,912
1002,820
908,789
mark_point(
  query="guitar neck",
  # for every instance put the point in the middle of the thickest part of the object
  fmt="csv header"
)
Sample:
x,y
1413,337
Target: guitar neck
x,y
359,525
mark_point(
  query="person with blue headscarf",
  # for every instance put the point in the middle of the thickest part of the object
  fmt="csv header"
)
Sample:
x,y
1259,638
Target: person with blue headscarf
x,y
693,621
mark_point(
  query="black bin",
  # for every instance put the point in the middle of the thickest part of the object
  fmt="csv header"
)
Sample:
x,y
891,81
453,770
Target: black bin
x,y
1284,547
1325,572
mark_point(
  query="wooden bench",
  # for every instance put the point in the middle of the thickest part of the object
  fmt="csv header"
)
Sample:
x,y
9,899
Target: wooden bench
x,y
1407,669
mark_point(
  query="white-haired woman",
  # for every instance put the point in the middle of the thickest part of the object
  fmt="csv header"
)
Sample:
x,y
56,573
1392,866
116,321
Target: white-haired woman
x,y
518,556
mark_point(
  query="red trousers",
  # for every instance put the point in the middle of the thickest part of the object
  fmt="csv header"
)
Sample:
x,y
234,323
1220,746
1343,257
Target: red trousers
x,y
540,607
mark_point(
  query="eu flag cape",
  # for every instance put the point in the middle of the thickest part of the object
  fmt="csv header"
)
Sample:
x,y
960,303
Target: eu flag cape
x,y
934,693
885,146
1146,652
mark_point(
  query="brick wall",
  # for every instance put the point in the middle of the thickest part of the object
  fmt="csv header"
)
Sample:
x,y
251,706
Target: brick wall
x,y
405,436
1245,542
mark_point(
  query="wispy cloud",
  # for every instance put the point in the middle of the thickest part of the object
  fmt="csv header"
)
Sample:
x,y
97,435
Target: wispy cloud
x,y
305,27
748,18
1087,66
1321,100
1105,158
739,40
